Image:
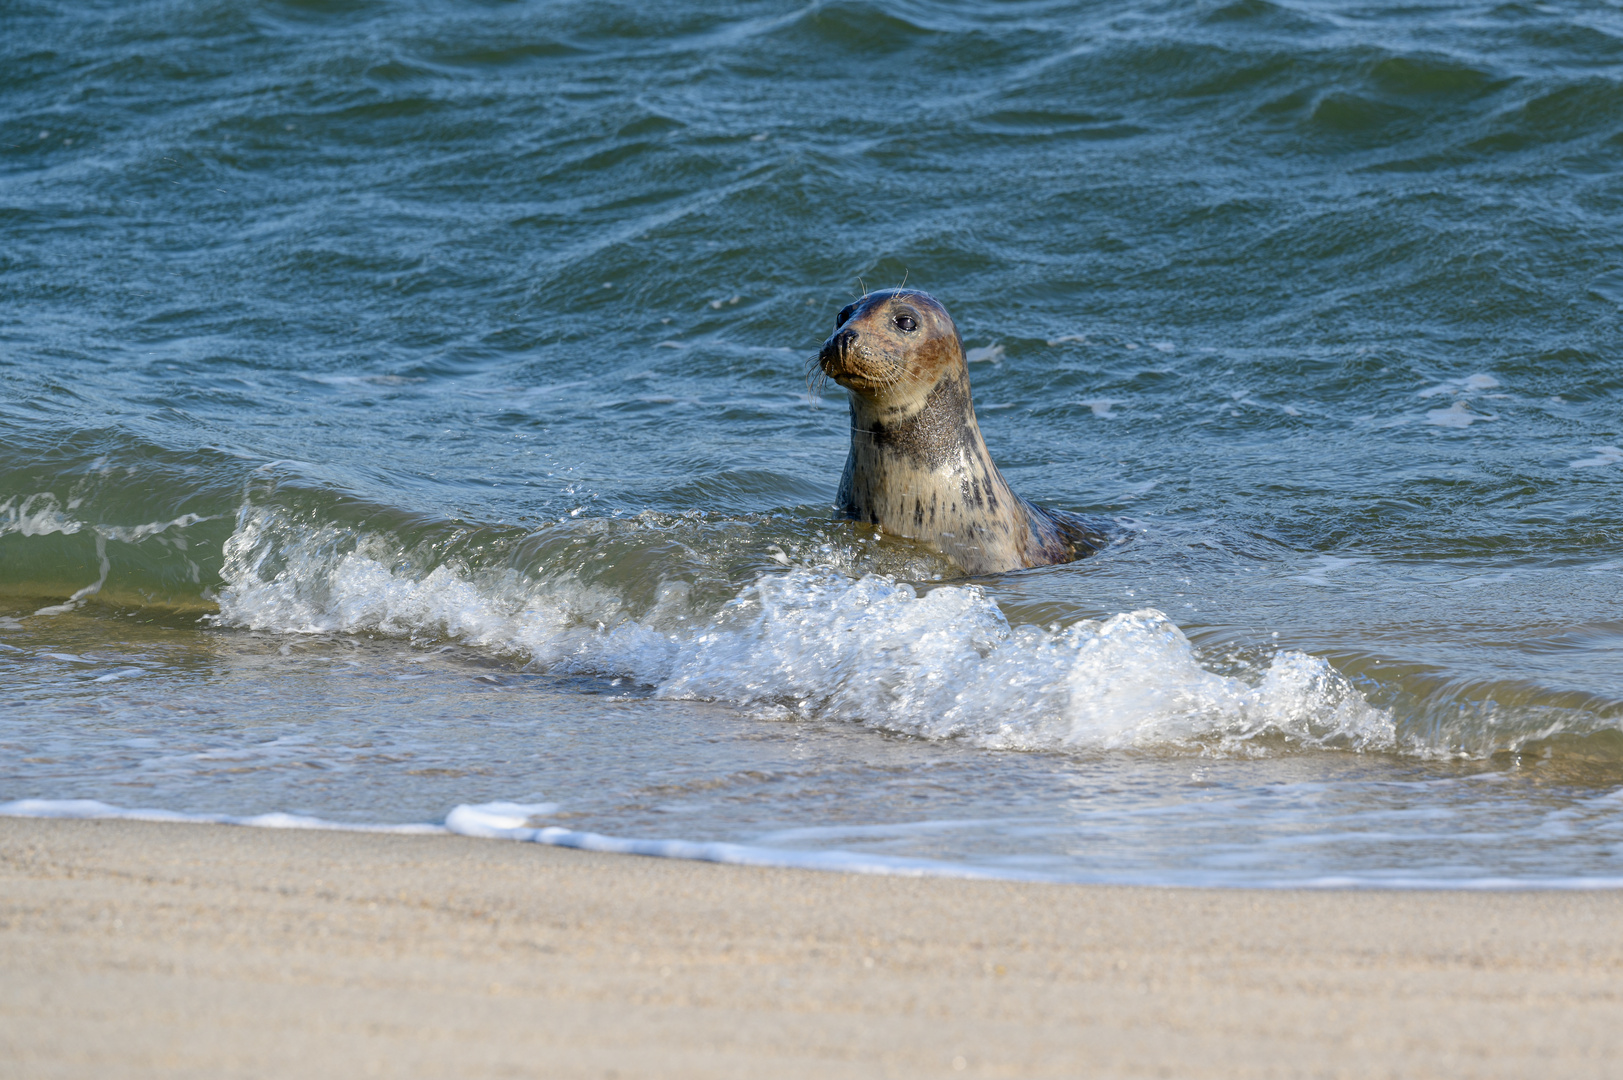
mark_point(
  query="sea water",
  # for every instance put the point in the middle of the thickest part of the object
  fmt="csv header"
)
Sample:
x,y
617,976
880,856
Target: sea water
x,y
404,422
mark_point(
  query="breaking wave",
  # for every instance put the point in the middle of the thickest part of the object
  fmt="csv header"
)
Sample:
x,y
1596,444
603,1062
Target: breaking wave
x,y
936,663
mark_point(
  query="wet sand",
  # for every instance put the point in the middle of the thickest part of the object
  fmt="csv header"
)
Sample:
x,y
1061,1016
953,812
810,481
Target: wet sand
x,y
134,949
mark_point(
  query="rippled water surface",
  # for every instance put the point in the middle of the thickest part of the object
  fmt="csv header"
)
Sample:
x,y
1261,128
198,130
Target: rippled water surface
x,y
404,406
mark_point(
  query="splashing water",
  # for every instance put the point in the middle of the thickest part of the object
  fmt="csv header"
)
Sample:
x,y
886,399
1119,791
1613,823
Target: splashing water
x,y
450,368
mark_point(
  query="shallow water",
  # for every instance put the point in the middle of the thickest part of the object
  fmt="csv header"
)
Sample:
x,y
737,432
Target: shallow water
x,y
405,407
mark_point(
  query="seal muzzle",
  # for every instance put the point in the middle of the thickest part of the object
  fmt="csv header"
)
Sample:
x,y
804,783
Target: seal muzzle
x,y
833,358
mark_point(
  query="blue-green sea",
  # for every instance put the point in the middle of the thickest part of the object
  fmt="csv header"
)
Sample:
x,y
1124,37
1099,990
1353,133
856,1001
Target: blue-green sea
x,y
405,406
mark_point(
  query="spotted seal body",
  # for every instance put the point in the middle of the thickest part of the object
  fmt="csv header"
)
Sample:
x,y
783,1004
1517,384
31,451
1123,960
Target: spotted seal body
x,y
918,467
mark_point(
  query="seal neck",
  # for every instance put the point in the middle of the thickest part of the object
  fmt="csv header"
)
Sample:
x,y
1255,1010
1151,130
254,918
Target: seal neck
x,y
930,431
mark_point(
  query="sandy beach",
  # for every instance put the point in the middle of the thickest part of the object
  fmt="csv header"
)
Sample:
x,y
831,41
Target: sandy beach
x,y
135,949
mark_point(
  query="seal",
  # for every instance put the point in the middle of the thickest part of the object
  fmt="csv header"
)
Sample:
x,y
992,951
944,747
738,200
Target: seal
x,y
918,467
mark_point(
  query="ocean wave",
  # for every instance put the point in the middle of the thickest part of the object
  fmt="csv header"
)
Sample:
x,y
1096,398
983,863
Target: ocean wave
x,y
938,663
43,515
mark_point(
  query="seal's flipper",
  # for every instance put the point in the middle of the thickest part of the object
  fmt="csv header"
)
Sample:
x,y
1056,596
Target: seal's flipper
x,y
1084,537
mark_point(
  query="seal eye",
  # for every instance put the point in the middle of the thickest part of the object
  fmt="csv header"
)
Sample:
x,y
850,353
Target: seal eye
x,y
906,323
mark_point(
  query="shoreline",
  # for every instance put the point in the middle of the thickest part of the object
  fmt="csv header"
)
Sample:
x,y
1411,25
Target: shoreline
x,y
139,948
508,822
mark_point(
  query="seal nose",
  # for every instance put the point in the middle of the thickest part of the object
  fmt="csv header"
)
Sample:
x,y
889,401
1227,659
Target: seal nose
x,y
835,347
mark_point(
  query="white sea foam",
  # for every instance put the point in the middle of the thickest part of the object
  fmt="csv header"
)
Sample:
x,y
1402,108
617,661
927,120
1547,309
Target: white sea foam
x,y
814,642
42,514
1327,564
515,822
1604,455
1457,415
947,665
36,515
318,587
1469,384
507,821
91,809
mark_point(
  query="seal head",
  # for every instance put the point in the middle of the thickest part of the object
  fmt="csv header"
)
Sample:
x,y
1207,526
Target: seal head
x,y
918,467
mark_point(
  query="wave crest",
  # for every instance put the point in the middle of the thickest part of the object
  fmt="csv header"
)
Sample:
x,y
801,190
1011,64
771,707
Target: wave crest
x,y
944,664
947,665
